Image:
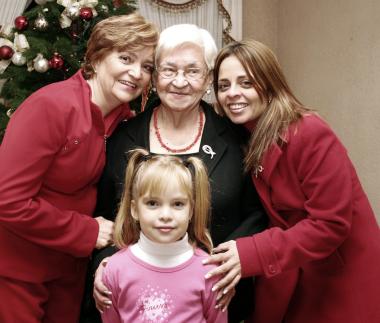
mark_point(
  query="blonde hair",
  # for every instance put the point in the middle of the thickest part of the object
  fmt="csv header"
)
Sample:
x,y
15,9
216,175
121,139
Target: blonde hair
x,y
124,32
283,108
148,174
181,34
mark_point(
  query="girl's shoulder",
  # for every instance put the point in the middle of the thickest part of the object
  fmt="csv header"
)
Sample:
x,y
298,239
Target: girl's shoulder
x,y
119,258
202,255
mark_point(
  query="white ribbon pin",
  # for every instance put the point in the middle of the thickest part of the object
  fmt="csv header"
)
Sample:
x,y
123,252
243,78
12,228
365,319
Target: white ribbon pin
x,y
208,150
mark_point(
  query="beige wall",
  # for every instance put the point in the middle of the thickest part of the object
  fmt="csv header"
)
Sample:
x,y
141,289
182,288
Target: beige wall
x,y
330,52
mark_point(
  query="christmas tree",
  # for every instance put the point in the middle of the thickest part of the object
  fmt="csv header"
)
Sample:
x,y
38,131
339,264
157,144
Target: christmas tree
x,y
47,44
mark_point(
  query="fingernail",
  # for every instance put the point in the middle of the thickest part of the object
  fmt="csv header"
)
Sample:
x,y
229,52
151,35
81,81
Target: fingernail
x,y
225,291
224,309
217,306
107,292
214,288
207,276
108,302
204,261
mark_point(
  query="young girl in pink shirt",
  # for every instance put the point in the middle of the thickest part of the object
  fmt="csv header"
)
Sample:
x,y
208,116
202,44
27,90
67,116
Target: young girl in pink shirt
x,y
161,229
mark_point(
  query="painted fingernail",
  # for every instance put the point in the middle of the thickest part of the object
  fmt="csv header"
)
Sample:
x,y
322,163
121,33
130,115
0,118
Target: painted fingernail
x,y
207,276
108,302
225,291
204,261
217,306
214,288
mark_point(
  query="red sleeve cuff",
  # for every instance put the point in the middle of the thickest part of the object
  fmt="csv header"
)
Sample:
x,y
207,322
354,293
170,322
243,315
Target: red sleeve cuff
x,y
249,258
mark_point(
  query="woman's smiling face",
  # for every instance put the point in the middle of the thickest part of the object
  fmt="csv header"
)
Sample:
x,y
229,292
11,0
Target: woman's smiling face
x,y
121,76
180,93
236,93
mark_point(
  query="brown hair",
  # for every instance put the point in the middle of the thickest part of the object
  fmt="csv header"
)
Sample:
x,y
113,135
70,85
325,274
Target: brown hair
x,y
124,32
148,174
283,108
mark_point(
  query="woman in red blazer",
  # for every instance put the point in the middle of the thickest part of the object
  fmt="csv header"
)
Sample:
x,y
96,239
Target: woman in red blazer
x,y
320,259
51,159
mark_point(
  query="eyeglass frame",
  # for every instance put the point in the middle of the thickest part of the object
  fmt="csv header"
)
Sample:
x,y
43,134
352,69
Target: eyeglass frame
x,y
184,72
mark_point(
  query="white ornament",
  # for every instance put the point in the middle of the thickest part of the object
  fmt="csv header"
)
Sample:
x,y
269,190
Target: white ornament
x,y
10,112
41,23
104,8
73,11
41,64
18,59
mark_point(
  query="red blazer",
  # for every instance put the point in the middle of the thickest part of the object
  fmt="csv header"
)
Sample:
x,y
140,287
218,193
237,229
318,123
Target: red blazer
x,y
51,158
320,260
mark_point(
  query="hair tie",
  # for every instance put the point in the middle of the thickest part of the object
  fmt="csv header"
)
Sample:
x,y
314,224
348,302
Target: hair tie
x,y
145,158
189,166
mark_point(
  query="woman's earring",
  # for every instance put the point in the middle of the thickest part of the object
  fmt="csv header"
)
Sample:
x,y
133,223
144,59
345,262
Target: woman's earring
x,y
144,97
208,91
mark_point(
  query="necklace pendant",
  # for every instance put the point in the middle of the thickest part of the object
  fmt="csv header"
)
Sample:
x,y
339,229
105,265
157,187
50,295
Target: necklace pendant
x,y
208,150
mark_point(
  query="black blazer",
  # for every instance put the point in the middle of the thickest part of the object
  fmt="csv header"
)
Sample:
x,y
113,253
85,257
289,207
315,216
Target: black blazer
x,y
236,208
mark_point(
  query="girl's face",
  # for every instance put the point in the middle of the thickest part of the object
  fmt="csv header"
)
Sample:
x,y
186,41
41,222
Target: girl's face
x,y
163,218
183,91
236,93
121,76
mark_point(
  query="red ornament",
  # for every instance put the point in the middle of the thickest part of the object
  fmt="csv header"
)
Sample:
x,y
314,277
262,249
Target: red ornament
x,y
21,22
56,61
86,13
6,52
117,3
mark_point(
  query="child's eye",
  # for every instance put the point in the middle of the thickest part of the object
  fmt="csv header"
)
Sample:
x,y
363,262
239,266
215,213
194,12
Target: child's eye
x,y
179,204
151,203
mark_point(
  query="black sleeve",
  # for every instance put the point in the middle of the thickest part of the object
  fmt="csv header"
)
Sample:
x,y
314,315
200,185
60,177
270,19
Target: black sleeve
x,y
106,203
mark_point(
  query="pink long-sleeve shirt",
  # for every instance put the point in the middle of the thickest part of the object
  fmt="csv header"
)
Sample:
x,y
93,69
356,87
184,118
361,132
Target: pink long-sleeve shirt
x,y
145,293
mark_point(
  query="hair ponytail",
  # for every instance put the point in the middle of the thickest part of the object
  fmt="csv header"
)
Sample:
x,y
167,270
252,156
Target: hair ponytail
x,y
201,192
127,230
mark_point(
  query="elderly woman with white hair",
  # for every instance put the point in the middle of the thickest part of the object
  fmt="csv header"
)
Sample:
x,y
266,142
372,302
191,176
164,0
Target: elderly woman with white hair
x,y
180,123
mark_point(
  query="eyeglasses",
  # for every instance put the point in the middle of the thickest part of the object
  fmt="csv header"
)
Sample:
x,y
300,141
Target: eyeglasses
x,y
189,73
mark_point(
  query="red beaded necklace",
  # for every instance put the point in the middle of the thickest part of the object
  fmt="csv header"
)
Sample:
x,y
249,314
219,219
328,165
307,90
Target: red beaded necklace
x,y
176,151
